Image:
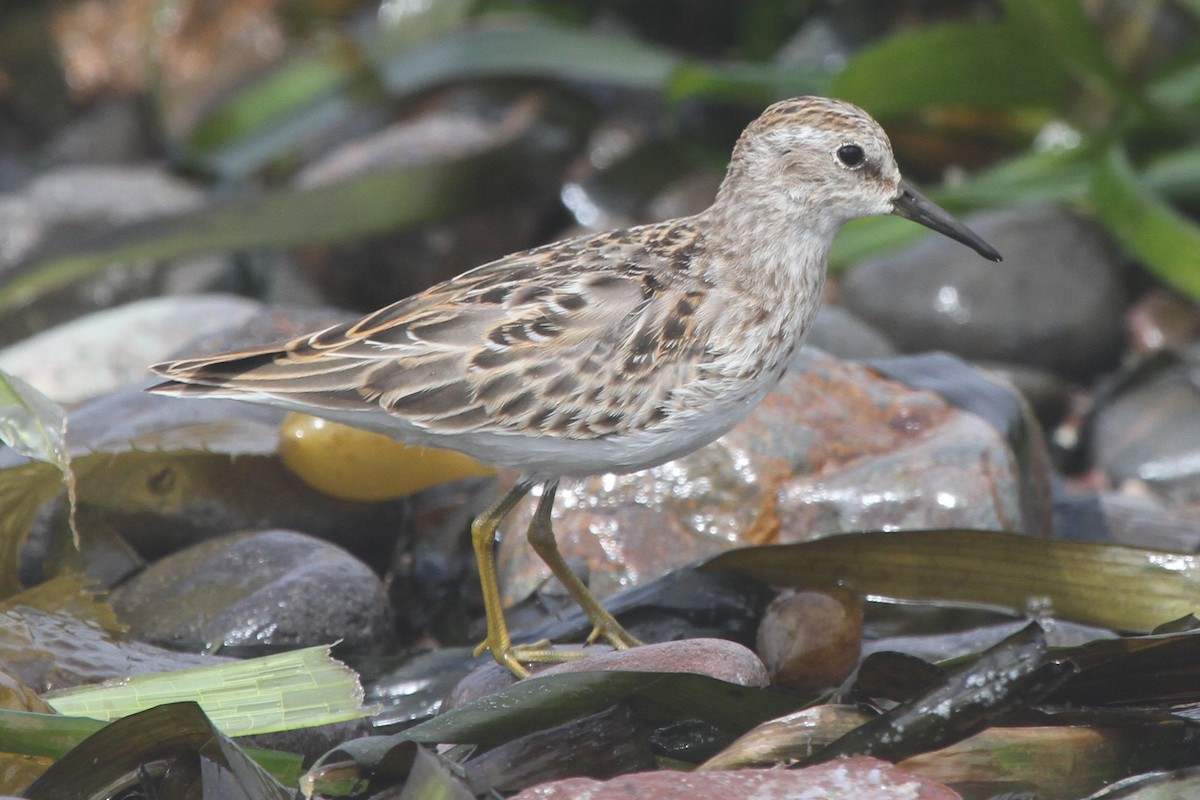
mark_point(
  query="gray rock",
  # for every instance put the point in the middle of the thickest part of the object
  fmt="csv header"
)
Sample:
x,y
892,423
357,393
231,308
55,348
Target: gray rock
x,y
272,587
1149,434
68,206
81,197
482,141
1048,395
109,132
1055,302
105,350
1125,518
840,333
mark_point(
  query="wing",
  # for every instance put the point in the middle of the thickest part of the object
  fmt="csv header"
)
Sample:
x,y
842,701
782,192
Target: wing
x,y
582,338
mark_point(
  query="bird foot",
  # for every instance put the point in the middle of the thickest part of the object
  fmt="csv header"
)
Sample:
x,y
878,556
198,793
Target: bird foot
x,y
543,652
617,636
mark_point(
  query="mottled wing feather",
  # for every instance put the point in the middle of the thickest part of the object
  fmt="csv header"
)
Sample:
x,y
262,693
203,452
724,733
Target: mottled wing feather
x,y
579,339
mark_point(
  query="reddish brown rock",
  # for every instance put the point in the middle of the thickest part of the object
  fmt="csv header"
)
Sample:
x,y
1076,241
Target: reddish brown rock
x,y
811,639
717,658
835,448
858,778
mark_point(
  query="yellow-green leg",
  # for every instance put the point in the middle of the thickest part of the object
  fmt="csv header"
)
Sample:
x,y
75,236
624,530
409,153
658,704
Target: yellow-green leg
x,y
541,537
483,537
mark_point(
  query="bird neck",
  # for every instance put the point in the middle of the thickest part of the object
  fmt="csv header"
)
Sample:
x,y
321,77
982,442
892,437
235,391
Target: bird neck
x,y
773,249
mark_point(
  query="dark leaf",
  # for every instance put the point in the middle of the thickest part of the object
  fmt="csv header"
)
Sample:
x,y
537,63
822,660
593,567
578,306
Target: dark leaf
x,y
1010,676
174,737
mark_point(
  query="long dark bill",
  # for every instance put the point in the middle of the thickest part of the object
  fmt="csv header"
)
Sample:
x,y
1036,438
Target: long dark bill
x,y
913,205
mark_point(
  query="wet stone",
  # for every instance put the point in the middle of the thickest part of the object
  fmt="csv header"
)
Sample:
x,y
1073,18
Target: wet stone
x,y
109,349
481,137
811,639
1138,520
861,778
1055,301
53,650
836,447
1049,395
602,745
1160,319
840,333
272,587
1148,435
717,658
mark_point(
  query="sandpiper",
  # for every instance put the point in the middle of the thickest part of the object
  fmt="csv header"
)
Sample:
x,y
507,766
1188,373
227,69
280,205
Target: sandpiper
x,y
607,352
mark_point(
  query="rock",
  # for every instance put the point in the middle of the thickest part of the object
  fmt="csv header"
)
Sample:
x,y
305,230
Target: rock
x,y
48,650
1160,320
1148,434
811,639
717,658
602,745
858,778
839,333
836,447
79,197
1048,395
499,162
105,350
271,587
111,131
60,209
1138,520
1055,302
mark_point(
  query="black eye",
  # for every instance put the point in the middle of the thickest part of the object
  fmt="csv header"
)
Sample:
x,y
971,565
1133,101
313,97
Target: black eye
x,y
851,155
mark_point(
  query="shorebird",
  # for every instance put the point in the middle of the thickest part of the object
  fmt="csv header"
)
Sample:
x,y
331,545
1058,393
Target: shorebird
x,y
606,352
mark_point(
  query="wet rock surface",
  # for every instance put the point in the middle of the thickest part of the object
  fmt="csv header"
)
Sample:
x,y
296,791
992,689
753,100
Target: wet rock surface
x,y
1147,433
717,658
257,588
811,640
862,778
111,349
1055,302
836,447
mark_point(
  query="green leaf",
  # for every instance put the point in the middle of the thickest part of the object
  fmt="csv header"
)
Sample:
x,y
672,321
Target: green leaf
x,y
285,92
1123,588
290,690
536,49
1162,239
54,735
308,94
174,744
1061,27
31,423
966,64
1064,760
35,426
531,50
23,492
543,702
384,200
1175,174
757,84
